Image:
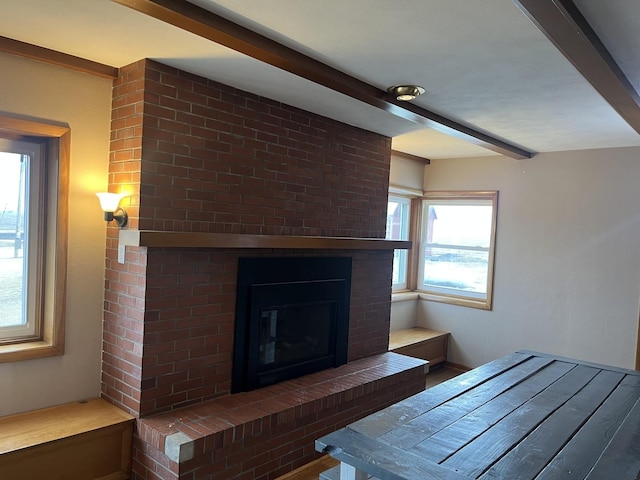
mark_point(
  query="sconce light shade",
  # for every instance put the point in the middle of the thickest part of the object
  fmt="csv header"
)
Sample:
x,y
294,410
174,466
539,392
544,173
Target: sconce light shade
x,y
110,204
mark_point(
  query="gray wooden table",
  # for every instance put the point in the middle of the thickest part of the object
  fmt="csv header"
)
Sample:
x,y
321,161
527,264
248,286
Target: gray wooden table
x,y
524,416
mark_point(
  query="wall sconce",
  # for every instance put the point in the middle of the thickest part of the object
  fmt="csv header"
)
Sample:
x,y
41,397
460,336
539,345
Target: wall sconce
x,y
110,204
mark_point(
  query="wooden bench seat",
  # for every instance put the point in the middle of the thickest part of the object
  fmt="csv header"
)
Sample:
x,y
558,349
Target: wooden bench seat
x,y
82,440
421,343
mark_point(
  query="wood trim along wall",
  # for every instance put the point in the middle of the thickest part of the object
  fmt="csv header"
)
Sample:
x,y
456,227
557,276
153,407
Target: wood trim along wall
x,y
213,27
15,47
54,333
569,31
414,236
396,153
20,126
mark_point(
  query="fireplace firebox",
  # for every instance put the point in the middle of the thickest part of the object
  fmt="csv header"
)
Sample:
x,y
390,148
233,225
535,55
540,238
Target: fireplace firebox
x,y
292,318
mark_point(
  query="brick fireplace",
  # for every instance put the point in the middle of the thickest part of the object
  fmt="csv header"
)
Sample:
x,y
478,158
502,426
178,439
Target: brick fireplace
x,y
204,159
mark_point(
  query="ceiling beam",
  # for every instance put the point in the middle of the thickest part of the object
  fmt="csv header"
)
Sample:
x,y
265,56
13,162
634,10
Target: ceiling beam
x,y
408,156
15,47
213,27
569,31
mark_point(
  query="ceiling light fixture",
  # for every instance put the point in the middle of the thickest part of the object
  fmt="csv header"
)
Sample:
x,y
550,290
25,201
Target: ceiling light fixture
x,y
405,93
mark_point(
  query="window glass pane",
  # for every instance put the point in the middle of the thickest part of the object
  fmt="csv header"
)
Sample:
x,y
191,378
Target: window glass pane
x,y
451,268
398,229
398,219
12,235
399,267
468,225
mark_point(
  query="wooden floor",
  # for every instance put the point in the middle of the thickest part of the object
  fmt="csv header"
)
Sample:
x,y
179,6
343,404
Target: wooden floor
x,y
312,470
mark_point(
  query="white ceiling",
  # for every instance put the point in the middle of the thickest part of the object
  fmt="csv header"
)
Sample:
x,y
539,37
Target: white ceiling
x,y
483,63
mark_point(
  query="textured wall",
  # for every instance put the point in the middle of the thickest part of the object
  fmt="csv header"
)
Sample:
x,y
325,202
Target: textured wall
x,y
567,260
45,93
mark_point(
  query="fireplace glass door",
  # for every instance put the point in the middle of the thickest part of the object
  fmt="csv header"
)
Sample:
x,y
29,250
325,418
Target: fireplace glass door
x,y
290,328
295,334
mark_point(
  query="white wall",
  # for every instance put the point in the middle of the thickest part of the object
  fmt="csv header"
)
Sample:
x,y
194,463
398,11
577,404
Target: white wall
x,y
567,269
404,312
406,173
47,93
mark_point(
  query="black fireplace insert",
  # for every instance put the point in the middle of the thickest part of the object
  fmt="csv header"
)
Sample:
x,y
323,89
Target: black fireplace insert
x,y
292,318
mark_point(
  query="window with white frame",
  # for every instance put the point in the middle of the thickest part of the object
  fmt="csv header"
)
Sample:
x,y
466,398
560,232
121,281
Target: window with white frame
x,y
22,191
34,162
457,244
398,209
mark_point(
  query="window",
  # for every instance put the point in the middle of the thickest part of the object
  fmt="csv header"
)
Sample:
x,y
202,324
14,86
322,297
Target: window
x,y
398,209
456,247
21,192
33,234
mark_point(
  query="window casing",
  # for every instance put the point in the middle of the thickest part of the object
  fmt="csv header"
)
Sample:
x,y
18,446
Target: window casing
x,y
398,217
41,243
457,243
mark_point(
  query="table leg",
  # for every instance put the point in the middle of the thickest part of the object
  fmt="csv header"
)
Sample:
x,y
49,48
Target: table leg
x,y
349,472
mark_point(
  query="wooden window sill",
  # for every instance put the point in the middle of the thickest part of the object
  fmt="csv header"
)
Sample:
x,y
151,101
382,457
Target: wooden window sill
x,y
29,350
404,296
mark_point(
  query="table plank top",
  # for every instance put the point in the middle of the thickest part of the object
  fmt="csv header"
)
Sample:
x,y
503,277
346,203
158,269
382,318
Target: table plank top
x,y
525,416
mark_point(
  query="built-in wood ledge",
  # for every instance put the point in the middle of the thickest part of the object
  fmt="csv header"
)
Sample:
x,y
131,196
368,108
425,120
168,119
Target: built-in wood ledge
x,y
153,238
86,439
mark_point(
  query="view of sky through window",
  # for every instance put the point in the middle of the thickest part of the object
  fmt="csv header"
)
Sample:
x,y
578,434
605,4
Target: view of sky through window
x,y
12,265
468,225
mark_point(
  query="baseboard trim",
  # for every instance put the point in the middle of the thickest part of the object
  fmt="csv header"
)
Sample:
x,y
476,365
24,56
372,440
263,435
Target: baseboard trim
x,y
456,366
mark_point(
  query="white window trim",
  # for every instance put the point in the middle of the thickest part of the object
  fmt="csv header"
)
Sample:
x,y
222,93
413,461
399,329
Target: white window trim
x,y
399,198
33,241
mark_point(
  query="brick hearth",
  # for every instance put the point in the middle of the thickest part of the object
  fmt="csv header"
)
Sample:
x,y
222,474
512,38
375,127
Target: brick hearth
x,y
198,156
268,432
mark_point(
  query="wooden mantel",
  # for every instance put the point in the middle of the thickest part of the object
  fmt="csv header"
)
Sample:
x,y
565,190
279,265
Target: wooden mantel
x,y
154,238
